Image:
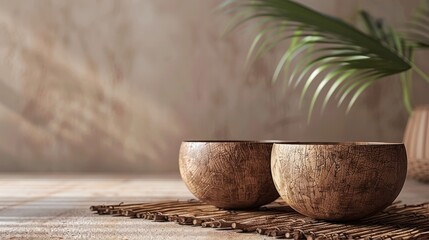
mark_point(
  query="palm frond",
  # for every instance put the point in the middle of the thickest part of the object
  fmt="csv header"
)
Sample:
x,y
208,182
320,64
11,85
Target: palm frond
x,y
327,53
417,30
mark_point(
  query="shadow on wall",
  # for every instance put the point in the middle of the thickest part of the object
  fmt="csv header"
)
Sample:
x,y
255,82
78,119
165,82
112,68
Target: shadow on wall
x,y
60,111
112,85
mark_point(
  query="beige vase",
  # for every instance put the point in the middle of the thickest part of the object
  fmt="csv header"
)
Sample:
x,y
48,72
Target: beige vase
x,y
416,140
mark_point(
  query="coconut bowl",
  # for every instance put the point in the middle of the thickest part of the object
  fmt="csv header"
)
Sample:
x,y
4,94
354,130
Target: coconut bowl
x,y
339,181
228,174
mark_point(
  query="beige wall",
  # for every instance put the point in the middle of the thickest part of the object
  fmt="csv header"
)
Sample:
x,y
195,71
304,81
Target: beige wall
x,y
116,85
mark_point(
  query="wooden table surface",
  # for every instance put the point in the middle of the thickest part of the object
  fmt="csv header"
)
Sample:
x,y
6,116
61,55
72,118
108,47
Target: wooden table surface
x,y
56,207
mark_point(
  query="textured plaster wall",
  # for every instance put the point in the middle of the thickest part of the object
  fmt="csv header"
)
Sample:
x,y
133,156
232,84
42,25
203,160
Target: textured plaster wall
x,y
114,85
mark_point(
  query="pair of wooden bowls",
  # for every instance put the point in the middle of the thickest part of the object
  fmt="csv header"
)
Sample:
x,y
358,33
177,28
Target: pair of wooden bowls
x,y
329,181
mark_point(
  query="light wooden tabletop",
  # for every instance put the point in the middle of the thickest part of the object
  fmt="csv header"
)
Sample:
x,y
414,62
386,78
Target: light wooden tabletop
x,y
57,207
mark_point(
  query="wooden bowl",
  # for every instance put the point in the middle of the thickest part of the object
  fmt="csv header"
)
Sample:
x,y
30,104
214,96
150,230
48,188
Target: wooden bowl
x,y
228,175
339,181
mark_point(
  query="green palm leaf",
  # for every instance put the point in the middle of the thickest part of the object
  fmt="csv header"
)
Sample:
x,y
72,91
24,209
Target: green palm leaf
x,y
417,31
327,52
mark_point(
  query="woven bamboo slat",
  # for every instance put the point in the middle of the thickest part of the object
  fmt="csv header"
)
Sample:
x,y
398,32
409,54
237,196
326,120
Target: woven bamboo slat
x,y
398,221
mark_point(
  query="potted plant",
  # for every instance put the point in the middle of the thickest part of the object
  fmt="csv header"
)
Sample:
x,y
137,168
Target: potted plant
x,y
338,59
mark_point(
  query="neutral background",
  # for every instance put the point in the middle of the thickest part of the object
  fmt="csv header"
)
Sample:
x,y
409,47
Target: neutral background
x,y
115,86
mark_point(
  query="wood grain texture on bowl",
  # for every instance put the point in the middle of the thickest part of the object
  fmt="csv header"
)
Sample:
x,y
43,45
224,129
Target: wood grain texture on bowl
x,y
229,175
339,182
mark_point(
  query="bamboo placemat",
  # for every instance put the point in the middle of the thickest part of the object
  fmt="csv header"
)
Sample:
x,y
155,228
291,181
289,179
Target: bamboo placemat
x,y
398,221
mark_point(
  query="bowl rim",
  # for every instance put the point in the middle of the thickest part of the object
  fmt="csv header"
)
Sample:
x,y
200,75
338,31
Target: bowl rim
x,y
422,107
239,141
358,143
